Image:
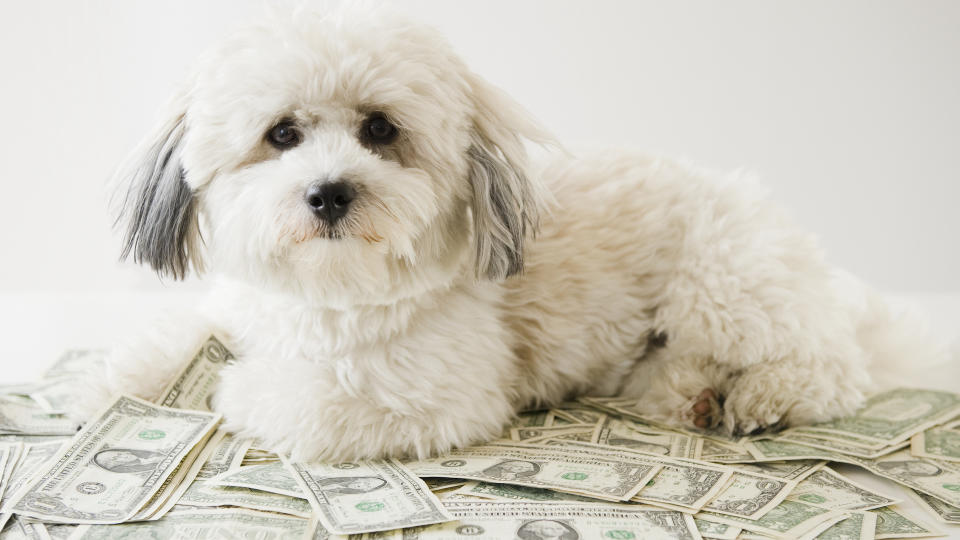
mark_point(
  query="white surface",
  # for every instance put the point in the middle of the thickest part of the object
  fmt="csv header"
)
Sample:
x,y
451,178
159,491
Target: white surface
x,y
848,110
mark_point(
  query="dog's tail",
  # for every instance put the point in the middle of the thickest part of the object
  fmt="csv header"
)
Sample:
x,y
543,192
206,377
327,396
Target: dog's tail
x,y
900,348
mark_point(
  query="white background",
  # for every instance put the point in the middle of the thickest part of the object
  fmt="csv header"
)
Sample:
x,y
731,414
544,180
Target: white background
x,y
849,111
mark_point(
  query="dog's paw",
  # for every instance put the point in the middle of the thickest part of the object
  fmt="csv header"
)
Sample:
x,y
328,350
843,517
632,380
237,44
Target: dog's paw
x,y
707,409
760,402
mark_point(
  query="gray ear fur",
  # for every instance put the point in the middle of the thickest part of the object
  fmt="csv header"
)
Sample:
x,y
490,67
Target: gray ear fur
x,y
506,201
159,211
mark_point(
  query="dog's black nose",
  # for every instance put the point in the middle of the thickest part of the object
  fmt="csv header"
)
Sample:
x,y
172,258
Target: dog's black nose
x,y
330,200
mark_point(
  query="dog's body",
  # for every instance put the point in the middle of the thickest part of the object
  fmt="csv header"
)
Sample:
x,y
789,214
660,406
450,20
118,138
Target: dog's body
x,y
408,327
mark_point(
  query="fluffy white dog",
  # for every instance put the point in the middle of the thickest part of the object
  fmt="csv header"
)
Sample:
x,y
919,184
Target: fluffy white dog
x,y
366,204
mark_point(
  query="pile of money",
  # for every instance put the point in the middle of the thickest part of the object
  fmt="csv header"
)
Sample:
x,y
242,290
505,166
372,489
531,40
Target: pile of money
x,y
594,468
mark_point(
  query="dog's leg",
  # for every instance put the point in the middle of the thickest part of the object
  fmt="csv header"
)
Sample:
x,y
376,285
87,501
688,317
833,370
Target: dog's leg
x,y
143,365
794,391
318,410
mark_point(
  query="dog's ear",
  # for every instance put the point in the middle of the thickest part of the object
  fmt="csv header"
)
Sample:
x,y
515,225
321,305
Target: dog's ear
x,y
157,210
506,201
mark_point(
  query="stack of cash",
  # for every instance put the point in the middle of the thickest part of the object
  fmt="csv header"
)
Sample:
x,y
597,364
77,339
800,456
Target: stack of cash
x,y
594,468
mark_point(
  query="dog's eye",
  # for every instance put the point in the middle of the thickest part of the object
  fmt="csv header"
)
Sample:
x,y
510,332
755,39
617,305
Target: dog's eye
x,y
284,135
378,130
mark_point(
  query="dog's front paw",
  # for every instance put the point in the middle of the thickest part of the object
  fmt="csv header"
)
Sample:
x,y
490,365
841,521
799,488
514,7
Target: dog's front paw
x,y
707,409
783,394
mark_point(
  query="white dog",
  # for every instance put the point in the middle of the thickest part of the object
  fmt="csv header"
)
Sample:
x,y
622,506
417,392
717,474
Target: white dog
x,y
367,207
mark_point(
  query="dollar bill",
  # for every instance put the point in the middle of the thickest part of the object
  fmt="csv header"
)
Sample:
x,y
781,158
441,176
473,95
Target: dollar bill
x,y
510,492
21,529
233,523
25,416
608,475
180,480
764,450
271,477
443,484
841,447
531,419
9,453
57,395
750,495
944,512
935,478
784,470
202,493
685,486
894,522
859,526
351,498
193,387
74,362
500,520
789,519
717,452
26,463
890,417
716,531
829,489
533,435
227,455
937,443
116,464
628,434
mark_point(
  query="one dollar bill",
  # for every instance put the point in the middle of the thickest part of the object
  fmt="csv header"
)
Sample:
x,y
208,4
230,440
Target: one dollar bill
x,y
116,464
351,498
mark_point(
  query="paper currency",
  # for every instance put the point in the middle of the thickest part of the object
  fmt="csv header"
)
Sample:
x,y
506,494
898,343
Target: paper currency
x,y
943,511
628,434
937,443
859,526
75,362
575,413
179,480
116,464
226,456
24,416
685,486
828,489
935,478
271,477
841,447
789,519
778,450
750,495
893,522
531,435
509,492
234,523
29,460
352,498
501,520
890,417
194,385
205,494
784,470
608,476
716,531
717,452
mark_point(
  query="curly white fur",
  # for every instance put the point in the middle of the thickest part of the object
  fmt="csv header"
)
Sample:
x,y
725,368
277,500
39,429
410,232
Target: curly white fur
x,y
414,332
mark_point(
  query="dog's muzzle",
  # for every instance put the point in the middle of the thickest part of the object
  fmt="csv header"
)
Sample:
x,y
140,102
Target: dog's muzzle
x,y
330,201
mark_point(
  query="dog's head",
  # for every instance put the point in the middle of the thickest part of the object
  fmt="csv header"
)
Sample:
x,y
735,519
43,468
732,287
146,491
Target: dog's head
x,y
353,158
